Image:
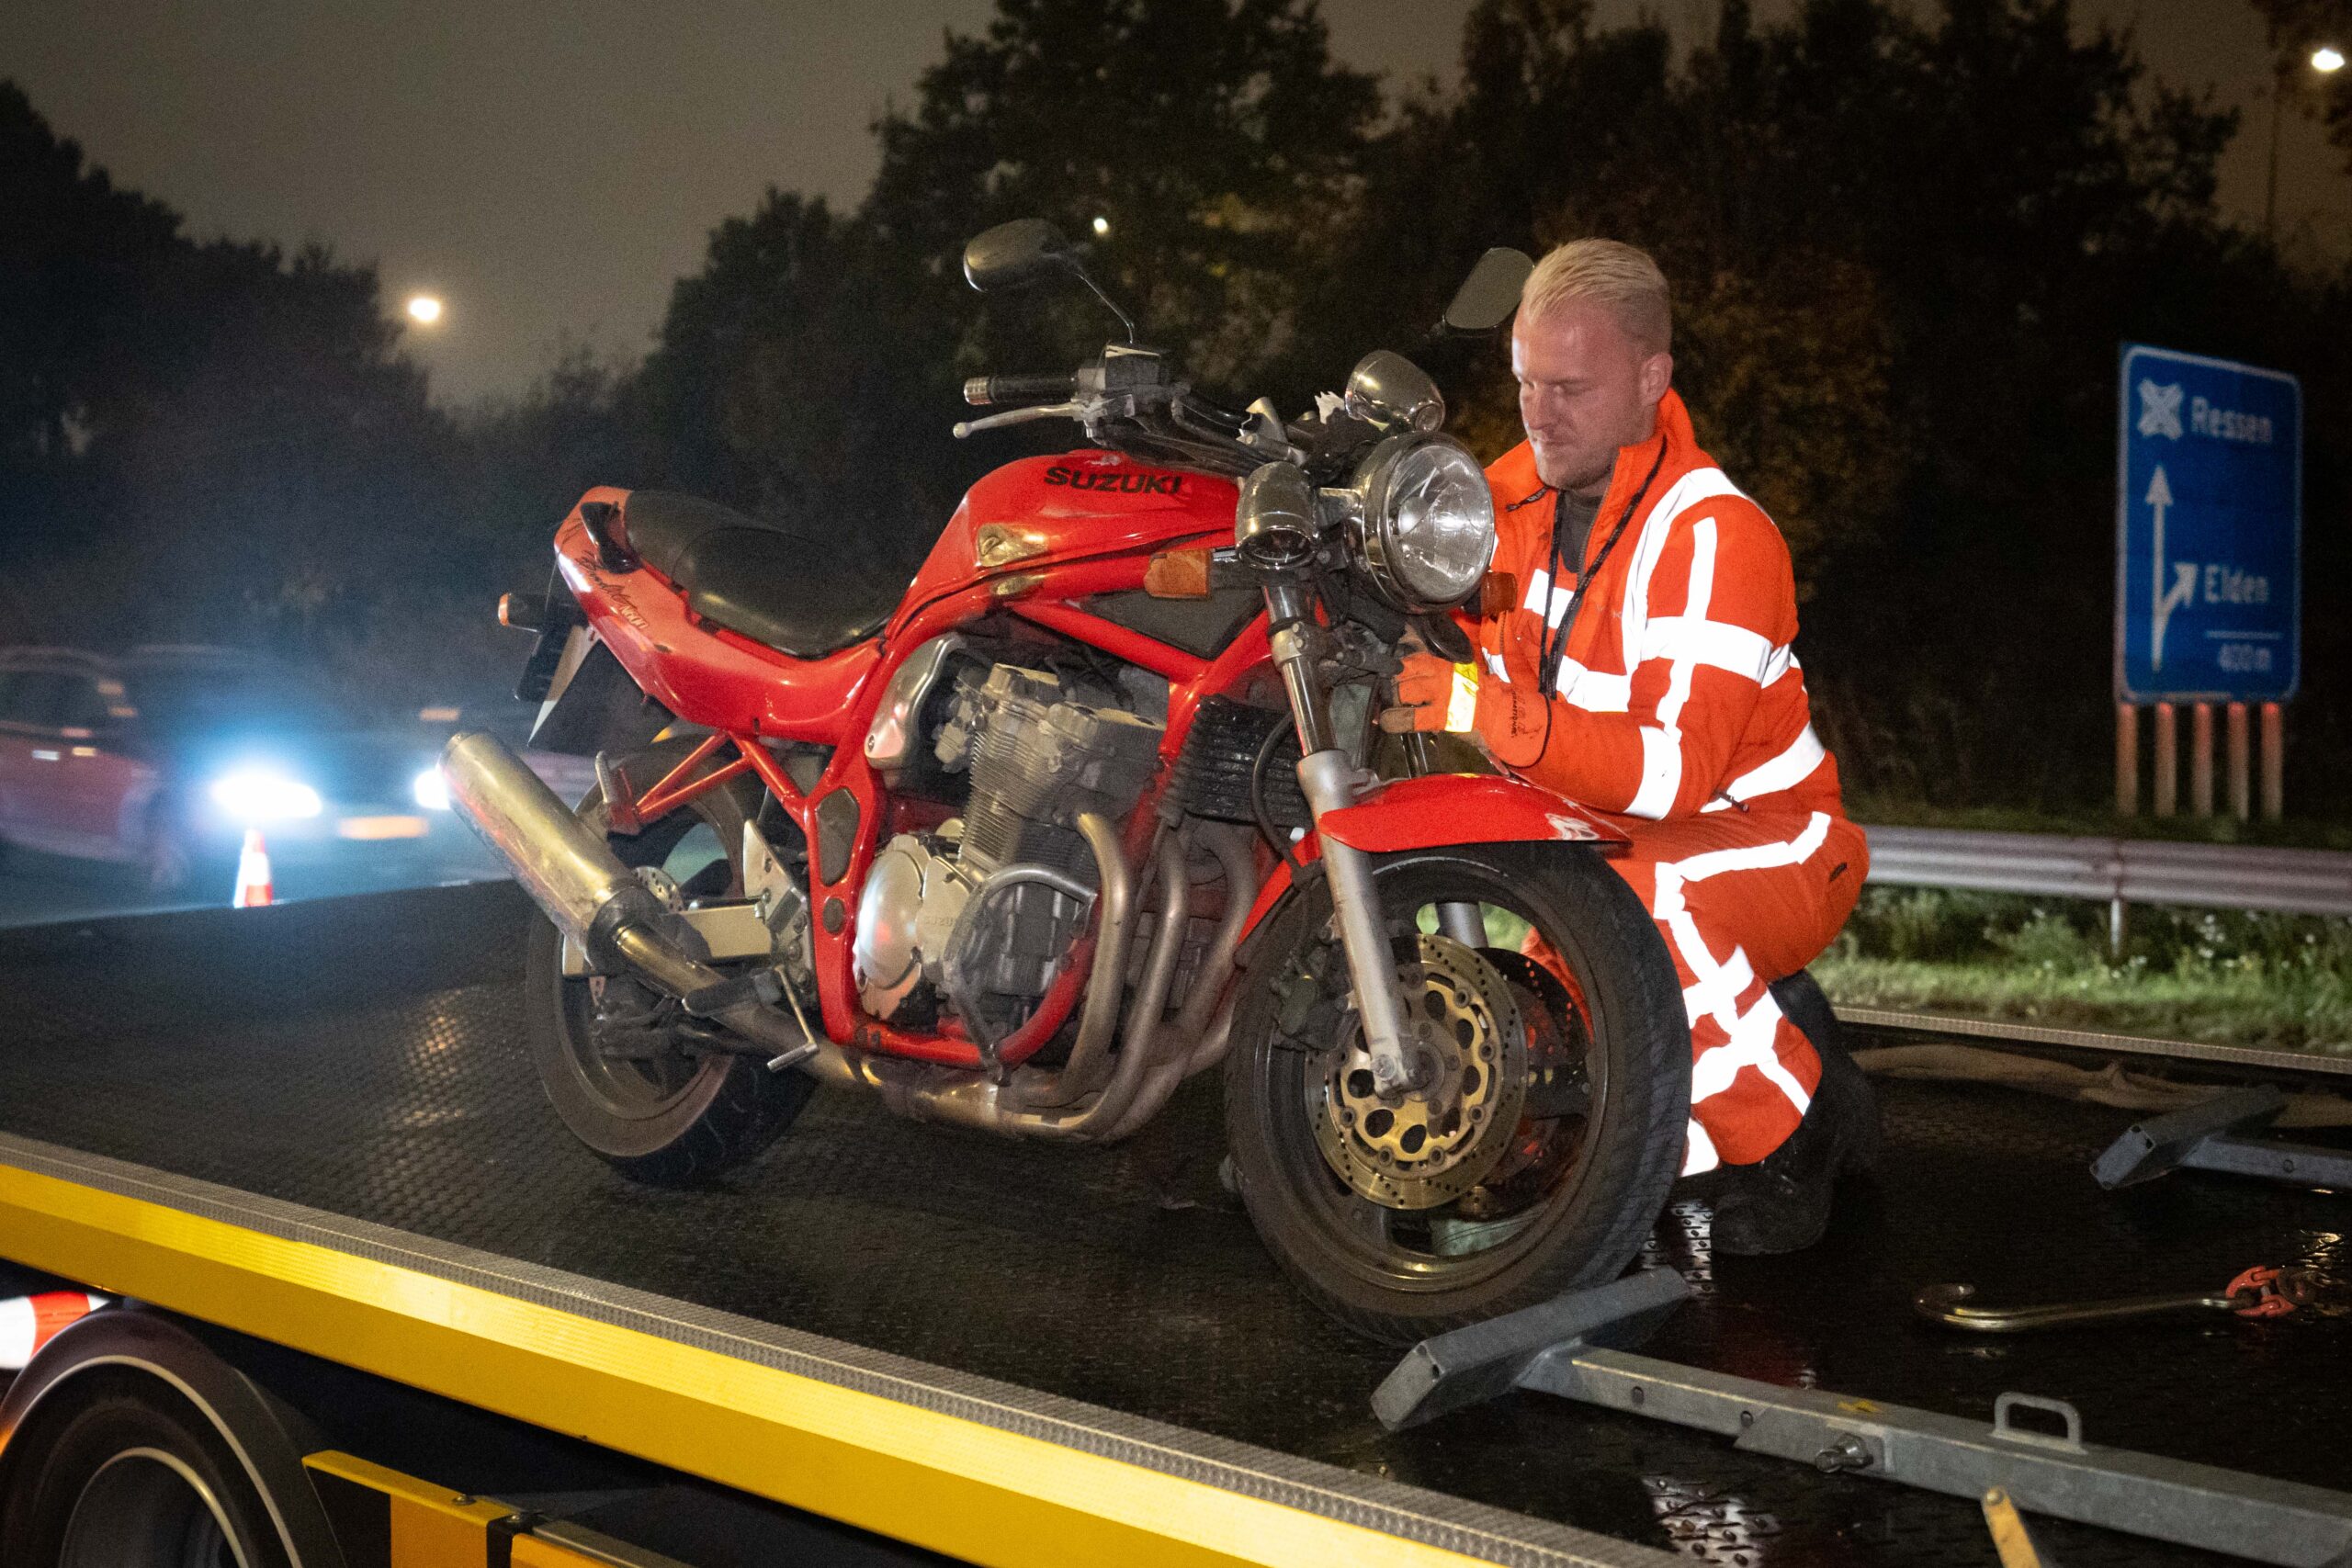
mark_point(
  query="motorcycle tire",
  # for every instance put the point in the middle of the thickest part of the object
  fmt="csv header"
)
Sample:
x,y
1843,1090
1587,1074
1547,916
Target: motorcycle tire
x,y
1588,1197
674,1117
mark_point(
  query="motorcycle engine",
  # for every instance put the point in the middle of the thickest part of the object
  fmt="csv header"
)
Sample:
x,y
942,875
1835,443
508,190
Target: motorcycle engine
x,y
1037,752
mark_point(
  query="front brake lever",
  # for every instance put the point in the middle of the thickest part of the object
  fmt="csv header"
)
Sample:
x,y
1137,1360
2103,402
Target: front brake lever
x,y
1018,416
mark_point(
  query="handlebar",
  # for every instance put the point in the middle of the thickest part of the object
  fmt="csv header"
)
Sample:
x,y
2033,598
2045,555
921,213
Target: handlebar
x,y
1041,386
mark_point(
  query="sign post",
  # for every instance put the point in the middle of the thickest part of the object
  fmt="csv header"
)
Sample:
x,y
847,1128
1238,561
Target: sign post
x,y
2208,560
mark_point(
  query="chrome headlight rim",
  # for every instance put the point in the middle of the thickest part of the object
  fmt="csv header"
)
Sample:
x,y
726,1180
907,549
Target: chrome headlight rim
x,y
1371,523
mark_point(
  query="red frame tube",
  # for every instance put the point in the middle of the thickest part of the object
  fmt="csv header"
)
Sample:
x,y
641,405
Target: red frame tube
x,y
748,693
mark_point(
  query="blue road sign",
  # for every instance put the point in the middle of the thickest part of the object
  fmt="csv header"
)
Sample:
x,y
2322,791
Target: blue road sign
x,y
2209,530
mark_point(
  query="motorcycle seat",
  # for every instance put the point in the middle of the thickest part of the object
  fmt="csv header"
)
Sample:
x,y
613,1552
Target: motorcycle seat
x,y
750,575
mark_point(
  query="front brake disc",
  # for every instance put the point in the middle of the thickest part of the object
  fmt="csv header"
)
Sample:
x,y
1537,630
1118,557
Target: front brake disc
x,y
1468,1047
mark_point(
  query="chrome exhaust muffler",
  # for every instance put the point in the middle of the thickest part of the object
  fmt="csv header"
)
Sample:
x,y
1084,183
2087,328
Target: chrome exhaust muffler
x,y
583,886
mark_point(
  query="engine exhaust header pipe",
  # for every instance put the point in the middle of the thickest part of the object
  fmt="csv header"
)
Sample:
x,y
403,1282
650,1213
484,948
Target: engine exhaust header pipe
x,y
575,878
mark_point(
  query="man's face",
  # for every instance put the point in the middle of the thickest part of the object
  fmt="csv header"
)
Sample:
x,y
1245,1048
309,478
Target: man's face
x,y
1586,388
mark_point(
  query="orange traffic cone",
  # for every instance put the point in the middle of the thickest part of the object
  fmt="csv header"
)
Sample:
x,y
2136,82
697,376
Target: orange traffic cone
x,y
27,1323
252,874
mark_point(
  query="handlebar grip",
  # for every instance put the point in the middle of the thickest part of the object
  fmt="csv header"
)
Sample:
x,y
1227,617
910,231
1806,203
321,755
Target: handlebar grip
x,y
1043,387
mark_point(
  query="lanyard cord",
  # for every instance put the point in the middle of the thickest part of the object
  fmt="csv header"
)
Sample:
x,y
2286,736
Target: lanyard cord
x,y
1547,675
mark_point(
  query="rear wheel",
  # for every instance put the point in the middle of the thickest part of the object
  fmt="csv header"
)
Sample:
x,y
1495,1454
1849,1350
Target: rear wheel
x,y
1551,1121
622,1064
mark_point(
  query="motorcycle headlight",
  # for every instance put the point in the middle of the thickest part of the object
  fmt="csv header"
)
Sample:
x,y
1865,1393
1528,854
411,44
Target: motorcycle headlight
x,y
1425,526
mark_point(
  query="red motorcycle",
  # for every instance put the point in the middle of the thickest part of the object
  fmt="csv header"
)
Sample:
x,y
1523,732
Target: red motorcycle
x,y
1094,807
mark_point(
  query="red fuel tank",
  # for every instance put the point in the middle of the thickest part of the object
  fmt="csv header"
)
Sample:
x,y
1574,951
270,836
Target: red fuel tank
x,y
1073,506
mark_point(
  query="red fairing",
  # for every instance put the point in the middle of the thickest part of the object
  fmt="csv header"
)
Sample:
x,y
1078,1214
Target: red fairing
x,y
1073,506
1464,808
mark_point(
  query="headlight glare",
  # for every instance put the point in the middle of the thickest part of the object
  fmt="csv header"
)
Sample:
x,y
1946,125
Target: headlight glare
x,y
1426,521
430,790
263,795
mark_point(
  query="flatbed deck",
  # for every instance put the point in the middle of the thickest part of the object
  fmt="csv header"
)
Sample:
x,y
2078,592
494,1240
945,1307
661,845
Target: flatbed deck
x,y
363,1058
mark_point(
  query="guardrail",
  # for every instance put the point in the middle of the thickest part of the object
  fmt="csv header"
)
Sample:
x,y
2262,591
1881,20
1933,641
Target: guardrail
x,y
2116,872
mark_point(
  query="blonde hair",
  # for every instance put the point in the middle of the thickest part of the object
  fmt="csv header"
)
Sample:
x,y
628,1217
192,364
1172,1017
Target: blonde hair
x,y
1620,276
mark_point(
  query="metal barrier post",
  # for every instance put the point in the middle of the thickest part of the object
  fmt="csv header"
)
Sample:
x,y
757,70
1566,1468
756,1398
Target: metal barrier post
x,y
2167,790
2240,789
2274,762
2201,759
2126,759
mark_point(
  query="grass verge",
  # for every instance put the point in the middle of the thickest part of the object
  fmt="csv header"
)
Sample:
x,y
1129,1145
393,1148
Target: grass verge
x,y
2281,981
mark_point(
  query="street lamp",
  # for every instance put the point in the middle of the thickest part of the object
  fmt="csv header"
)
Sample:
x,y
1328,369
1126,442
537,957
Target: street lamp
x,y
2326,60
424,309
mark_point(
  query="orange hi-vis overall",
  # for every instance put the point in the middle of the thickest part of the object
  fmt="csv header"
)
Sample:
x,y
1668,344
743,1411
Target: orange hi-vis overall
x,y
1681,713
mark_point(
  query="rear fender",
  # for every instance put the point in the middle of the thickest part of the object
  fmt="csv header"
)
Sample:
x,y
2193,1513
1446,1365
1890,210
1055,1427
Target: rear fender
x,y
1438,809
592,704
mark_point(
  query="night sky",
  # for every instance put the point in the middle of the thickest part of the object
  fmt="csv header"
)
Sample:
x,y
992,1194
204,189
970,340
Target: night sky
x,y
551,170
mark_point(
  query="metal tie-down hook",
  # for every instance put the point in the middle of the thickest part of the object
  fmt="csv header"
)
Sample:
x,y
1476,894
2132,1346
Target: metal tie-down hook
x,y
2259,1291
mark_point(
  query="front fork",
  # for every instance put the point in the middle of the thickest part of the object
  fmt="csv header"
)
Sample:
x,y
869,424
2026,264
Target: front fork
x,y
1330,780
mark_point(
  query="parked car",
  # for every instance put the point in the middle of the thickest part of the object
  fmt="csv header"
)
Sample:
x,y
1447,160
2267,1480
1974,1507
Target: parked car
x,y
161,758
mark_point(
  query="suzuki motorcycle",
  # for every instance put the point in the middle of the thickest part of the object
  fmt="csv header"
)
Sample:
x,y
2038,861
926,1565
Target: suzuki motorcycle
x,y
1099,804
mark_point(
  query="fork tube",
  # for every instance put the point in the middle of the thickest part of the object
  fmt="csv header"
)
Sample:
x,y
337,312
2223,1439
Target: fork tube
x,y
1329,780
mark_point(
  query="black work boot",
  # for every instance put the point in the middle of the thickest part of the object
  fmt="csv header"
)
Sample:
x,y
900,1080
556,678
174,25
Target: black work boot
x,y
1781,1203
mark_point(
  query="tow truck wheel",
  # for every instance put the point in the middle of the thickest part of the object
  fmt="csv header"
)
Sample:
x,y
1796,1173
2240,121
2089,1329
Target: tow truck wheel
x,y
129,1474
617,1059
1552,1107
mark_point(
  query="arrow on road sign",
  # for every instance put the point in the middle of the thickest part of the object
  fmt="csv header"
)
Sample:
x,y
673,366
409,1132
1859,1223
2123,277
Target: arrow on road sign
x,y
2184,583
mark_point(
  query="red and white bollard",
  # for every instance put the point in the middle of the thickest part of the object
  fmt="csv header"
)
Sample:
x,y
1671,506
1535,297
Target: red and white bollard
x,y
253,891
27,1323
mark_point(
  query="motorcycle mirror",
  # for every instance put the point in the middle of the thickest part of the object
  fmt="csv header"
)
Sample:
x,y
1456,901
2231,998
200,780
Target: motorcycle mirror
x,y
1390,392
1025,251
1490,294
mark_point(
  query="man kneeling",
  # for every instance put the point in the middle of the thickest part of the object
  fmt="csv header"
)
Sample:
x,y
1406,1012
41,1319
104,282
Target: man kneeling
x,y
1645,670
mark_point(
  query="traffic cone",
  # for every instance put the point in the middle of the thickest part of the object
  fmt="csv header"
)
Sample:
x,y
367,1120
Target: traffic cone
x,y
27,1323
252,874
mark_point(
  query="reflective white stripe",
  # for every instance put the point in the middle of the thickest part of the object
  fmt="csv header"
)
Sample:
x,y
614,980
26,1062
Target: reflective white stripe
x,y
1753,1043
1788,770
1717,994
1592,690
1662,747
1748,857
1701,594
1495,665
1698,486
1661,774
1699,1155
1779,662
1715,643
1750,1036
1536,588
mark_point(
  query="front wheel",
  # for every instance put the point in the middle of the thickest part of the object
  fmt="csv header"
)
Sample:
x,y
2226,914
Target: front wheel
x,y
1552,1107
